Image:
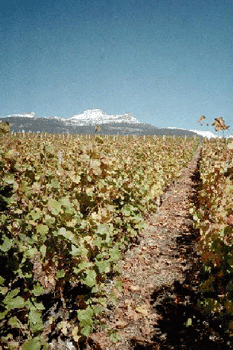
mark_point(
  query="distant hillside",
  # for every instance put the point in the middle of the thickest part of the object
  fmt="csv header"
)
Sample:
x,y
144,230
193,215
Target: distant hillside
x,y
60,126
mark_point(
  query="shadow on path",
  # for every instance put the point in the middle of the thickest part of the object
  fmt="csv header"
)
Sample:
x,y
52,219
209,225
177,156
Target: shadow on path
x,y
181,324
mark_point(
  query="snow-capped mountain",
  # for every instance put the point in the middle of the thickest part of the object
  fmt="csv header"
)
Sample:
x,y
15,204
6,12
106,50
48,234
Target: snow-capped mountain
x,y
88,117
97,116
85,123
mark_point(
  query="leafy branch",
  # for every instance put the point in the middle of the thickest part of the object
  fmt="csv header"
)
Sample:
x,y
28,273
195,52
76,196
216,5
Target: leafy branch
x,y
218,124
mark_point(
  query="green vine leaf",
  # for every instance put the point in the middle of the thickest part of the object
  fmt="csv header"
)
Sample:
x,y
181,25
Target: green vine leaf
x,y
90,279
35,320
42,229
14,322
60,274
7,244
36,343
54,207
38,290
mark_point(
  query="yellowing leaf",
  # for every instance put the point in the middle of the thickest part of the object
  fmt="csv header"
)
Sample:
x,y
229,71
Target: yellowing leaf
x,y
75,335
121,324
143,309
134,288
63,326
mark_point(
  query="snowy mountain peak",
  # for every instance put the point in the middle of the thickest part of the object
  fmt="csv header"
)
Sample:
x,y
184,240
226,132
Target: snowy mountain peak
x,y
88,117
97,116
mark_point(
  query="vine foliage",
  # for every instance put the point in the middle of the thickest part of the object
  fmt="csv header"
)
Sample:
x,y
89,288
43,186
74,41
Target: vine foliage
x,y
68,207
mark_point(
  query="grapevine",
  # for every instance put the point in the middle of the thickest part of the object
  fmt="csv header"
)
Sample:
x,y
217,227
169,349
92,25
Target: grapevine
x,y
214,219
68,207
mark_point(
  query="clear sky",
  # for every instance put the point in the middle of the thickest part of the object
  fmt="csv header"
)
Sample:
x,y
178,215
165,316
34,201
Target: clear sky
x,y
164,61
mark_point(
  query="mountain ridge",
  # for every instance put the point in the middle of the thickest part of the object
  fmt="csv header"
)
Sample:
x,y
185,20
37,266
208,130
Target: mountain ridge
x,y
88,117
85,123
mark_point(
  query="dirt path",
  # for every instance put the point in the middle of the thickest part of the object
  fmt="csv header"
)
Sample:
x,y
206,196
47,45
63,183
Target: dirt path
x,y
155,308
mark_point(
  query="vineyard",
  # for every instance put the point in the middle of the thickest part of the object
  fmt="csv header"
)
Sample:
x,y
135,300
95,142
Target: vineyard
x,y
214,220
71,206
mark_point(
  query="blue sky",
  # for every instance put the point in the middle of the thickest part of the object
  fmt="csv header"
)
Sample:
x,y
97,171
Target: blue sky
x,y
164,61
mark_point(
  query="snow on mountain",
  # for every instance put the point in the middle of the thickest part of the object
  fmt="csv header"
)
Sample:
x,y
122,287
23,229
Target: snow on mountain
x,y
88,117
203,133
97,116
24,115
92,117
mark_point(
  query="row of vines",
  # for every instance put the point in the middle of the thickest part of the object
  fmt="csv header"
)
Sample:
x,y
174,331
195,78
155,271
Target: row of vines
x,y
214,219
68,208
